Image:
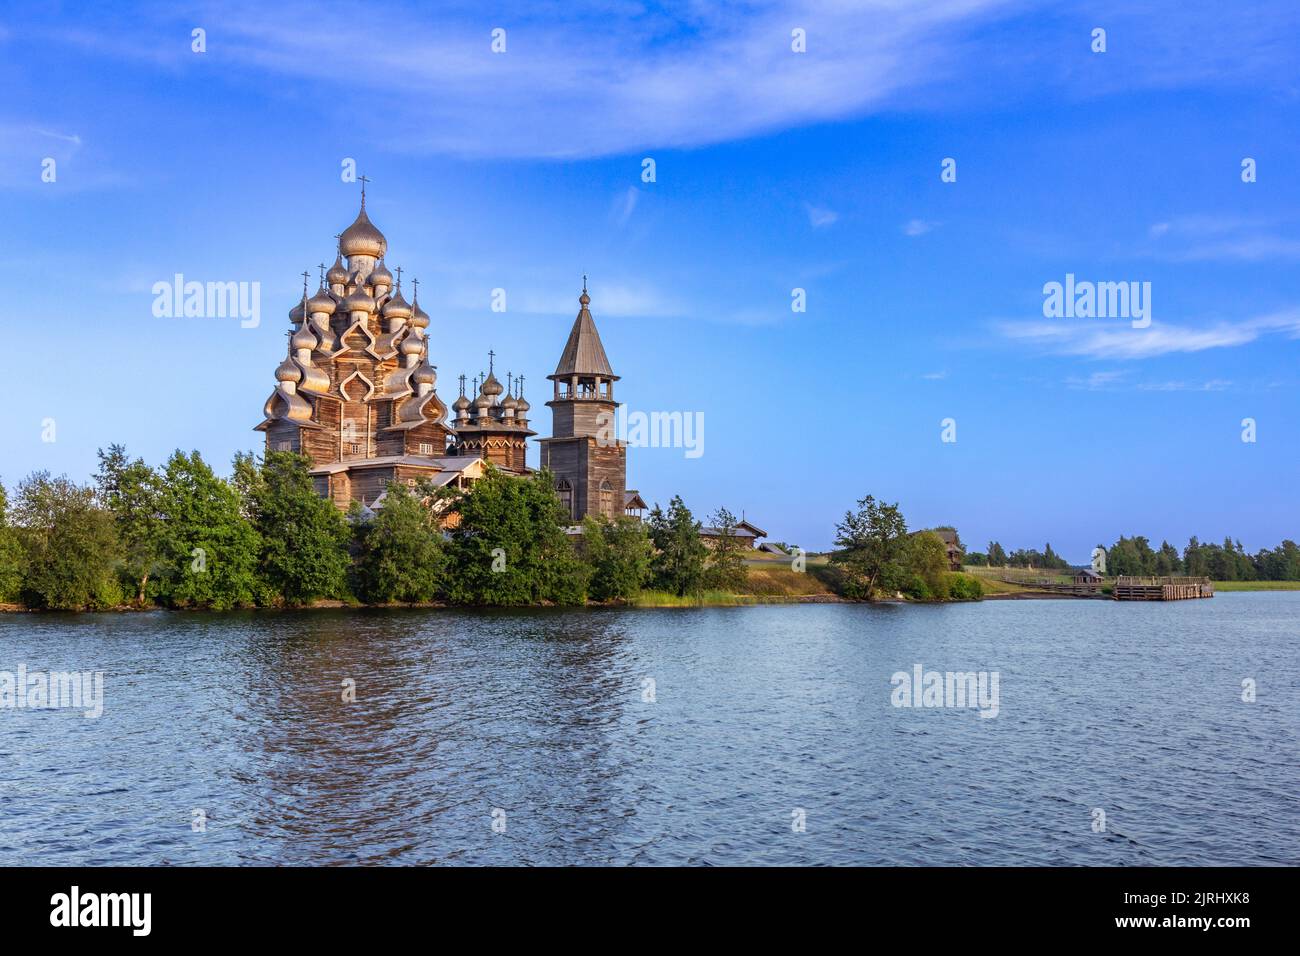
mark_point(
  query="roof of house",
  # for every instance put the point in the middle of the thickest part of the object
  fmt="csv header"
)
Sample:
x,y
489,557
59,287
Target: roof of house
x,y
633,499
451,463
743,529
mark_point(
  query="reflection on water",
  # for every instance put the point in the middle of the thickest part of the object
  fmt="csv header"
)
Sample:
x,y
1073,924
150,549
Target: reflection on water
x,y
757,712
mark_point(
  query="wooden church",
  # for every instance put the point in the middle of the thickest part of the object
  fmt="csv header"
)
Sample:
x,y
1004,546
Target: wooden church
x,y
357,394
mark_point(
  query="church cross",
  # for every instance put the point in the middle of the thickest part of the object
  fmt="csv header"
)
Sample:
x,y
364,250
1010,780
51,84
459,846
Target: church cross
x,y
321,266
363,180
398,270
305,275
415,283
520,382
491,358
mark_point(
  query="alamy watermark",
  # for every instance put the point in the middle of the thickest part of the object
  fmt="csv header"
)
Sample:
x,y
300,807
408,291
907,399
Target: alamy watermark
x,y
208,300
49,690
1099,300
961,689
652,430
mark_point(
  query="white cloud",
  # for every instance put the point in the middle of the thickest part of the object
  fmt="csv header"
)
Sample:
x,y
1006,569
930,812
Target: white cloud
x,y
1101,339
1204,238
1213,385
1096,382
576,80
917,227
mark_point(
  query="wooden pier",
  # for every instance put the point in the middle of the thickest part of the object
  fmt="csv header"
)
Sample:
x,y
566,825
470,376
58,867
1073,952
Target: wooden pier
x,y
1162,589
1125,588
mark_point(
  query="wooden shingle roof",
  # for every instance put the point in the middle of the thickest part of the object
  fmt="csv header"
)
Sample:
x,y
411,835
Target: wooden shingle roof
x,y
583,353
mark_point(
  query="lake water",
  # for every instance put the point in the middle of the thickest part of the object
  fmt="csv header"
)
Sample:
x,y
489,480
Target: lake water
x,y
761,718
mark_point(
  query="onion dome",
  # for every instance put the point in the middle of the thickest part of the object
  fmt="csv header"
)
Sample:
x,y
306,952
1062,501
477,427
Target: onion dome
x,y
419,318
337,275
411,345
461,404
492,387
509,404
522,406
426,374
362,238
359,301
303,338
296,314
397,307
482,402
380,275
322,301
288,371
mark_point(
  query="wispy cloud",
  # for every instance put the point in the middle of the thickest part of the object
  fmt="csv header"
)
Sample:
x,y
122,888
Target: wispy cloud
x,y
1213,385
24,147
819,216
1203,238
625,205
1096,382
1093,338
581,79
1121,380
917,227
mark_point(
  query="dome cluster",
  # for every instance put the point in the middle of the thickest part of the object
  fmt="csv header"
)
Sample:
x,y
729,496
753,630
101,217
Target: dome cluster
x,y
358,312
488,406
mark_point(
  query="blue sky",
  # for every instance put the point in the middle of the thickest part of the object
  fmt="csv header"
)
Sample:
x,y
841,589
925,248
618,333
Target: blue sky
x,y
775,171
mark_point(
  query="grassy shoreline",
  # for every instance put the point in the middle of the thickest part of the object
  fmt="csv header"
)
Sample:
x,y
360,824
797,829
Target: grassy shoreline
x,y
770,586
1256,585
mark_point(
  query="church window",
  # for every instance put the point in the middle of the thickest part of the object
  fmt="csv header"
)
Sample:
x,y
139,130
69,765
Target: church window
x,y
565,491
426,448
606,499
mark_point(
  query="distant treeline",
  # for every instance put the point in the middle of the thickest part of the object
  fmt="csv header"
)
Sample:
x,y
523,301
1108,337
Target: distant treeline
x,y
1020,558
182,536
1135,556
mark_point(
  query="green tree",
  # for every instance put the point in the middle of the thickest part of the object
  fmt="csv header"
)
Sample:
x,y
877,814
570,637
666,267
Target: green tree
x,y
303,537
618,554
725,569
679,558
1053,560
509,547
1167,561
872,542
997,556
70,550
10,553
209,549
131,491
401,555
926,560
